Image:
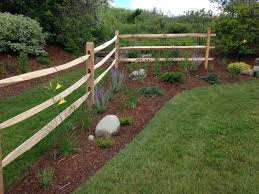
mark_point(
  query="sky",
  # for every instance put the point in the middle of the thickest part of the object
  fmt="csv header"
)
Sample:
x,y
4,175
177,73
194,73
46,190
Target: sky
x,y
175,7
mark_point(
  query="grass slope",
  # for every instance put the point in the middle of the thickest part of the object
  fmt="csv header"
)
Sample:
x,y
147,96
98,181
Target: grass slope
x,y
17,134
202,141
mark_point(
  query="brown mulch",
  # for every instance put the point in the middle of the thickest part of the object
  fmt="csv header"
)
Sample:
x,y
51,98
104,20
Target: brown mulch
x,y
72,171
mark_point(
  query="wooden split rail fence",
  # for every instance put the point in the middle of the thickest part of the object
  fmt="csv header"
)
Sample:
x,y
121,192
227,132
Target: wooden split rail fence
x,y
90,82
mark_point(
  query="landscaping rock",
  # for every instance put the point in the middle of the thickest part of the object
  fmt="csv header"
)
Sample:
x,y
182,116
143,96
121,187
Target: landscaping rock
x,y
91,138
108,126
256,69
147,56
249,72
135,75
257,61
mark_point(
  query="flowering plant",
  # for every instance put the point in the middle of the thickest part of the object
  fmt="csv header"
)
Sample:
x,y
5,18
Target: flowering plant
x,y
117,79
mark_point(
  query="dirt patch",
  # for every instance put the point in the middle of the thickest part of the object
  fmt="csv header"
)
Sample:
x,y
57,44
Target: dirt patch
x,y
72,171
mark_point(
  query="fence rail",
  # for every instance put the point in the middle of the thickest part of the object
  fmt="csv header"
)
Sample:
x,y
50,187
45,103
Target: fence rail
x,y
90,82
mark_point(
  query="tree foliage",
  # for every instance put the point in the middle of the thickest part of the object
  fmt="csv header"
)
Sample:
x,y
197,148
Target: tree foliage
x,y
237,29
69,22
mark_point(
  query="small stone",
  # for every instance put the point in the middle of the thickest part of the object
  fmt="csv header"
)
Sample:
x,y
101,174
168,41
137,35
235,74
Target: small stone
x,y
147,56
249,72
108,126
91,138
256,69
135,75
257,61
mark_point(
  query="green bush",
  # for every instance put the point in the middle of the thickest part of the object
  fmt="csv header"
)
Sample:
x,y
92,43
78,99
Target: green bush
x,y
237,29
172,77
104,142
237,67
211,78
45,177
20,34
126,121
150,91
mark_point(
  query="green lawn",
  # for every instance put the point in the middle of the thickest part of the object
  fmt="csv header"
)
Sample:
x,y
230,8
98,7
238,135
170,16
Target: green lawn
x,y
17,134
202,141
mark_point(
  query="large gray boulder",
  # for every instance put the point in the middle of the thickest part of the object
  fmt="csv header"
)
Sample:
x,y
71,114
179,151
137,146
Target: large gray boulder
x,y
108,126
257,61
135,75
249,72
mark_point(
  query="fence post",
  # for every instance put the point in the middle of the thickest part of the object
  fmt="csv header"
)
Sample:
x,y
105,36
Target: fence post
x,y
90,70
117,46
207,48
1,168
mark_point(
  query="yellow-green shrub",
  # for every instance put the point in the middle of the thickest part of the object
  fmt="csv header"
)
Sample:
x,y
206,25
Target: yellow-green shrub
x,y
237,67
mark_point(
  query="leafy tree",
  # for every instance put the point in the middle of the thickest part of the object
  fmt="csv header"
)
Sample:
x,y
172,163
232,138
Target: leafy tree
x,y
237,28
69,22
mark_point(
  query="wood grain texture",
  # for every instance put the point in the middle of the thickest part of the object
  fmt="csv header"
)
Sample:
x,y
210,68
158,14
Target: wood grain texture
x,y
97,80
163,47
105,45
161,59
207,49
164,35
104,59
41,73
37,137
117,52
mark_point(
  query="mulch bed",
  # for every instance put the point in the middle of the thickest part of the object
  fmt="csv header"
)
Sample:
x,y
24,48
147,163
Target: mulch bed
x,y
72,171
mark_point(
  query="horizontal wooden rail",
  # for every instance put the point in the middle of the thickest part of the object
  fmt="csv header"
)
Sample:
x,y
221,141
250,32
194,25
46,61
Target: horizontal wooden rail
x,y
33,111
104,73
105,45
164,35
41,73
163,47
161,59
37,137
104,59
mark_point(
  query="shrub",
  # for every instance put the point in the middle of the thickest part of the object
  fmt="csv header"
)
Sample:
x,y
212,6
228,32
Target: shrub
x,y
21,34
126,121
104,142
237,67
45,177
211,78
236,29
150,91
24,63
43,60
117,79
172,77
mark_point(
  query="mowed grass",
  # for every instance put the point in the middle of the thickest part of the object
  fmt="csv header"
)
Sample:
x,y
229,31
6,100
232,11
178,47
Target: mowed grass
x,y
202,141
17,134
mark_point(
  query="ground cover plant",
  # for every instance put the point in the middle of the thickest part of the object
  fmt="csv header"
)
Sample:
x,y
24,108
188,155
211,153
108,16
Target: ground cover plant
x,y
172,77
150,91
237,67
191,145
211,78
